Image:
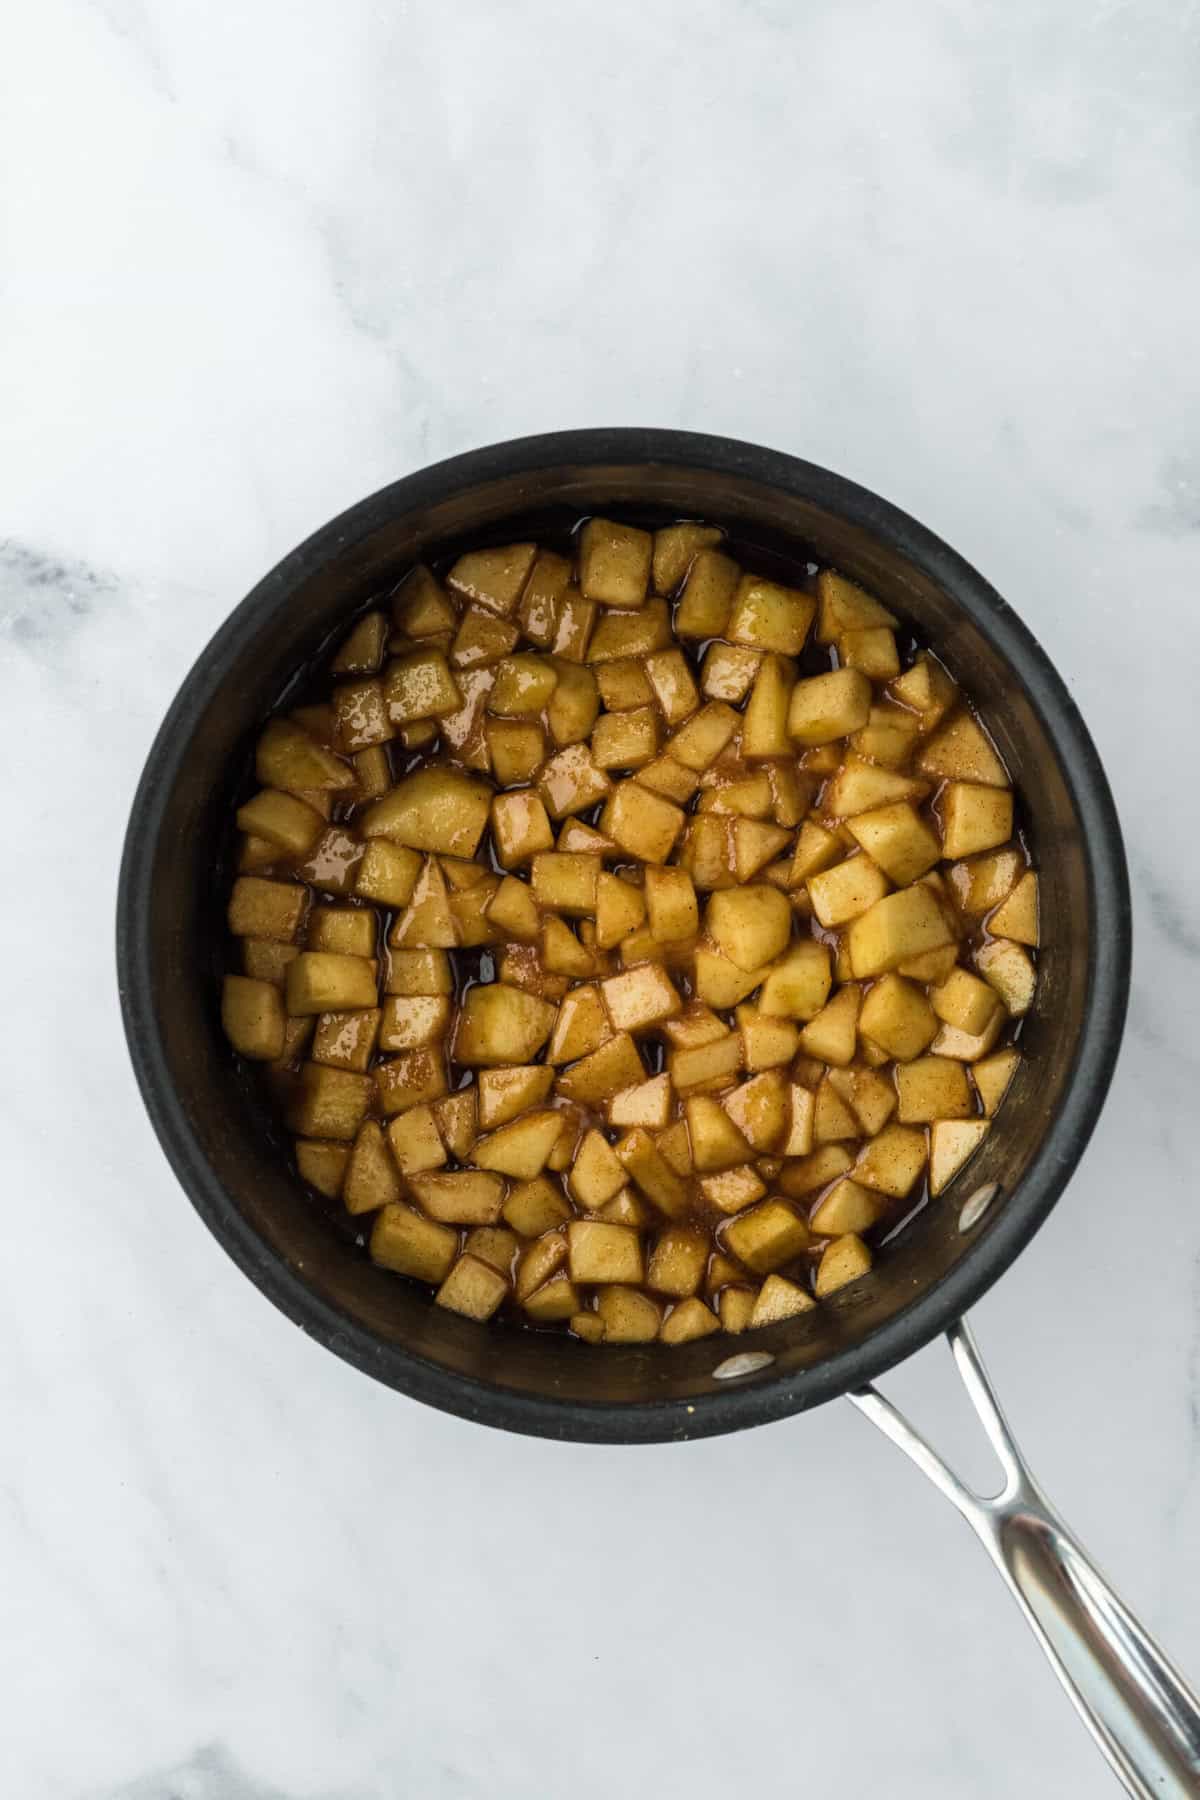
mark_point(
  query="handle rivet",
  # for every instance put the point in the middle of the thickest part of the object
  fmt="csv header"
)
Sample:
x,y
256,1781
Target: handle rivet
x,y
977,1204
748,1362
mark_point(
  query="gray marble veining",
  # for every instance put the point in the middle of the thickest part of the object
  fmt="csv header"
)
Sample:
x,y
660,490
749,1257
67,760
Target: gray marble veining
x,y
260,261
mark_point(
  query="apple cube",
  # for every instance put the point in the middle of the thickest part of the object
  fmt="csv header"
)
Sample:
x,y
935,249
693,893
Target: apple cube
x,y
898,839
493,578
974,818
899,926
677,1261
933,1087
767,1237
951,1143
401,1240
750,925
845,1260
643,824
499,1024
437,810
825,707
599,1252
707,598
614,562
675,547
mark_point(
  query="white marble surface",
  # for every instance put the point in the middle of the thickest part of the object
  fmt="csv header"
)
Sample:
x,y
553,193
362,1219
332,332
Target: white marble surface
x,y
260,260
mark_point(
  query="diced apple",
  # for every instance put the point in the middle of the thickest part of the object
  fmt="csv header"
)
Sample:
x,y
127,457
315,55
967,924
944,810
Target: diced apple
x,y
481,638
707,597
643,824
992,1076
1017,918
844,606
638,633
253,1018
456,1120
767,1237
797,986
519,1149
698,744
288,758
401,1240
984,881
963,1046
581,1026
963,1000
513,910
499,1025
974,818
893,1160
834,1120
898,839
627,1315
543,596
951,1143
897,1016
960,750
614,562
933,1087
860,786
848,889
826,707
705,1067
760,1108
647,1104
536,1206
832,1035
677,1261
715,1139
750,925
765,723
411,1021
602,1253
266,909
871,649
410,1079
845,1260
675,547
1007,966
516,747
435,809
427,921
603,1073
901,925
650,1172
506,1093
732,1189
416,1143
640,997
574,626
493,578
811,1173
567,884
418,972
846,1207
328,1103
473,1288
926,688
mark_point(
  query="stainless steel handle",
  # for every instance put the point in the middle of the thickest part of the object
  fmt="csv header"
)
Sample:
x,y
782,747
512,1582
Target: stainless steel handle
x,y
1139,1709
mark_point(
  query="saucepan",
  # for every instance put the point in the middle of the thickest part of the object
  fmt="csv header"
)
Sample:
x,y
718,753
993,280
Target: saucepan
x,y
223,1146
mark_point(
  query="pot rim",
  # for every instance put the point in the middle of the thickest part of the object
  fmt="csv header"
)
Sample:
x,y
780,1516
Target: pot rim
x,y
763,1398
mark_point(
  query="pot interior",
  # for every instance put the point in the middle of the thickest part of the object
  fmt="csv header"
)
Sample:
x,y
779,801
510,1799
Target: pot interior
x,y
231,1160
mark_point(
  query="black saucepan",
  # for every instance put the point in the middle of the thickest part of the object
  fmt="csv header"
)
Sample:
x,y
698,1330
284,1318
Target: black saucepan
x,y
170,926
223,1148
